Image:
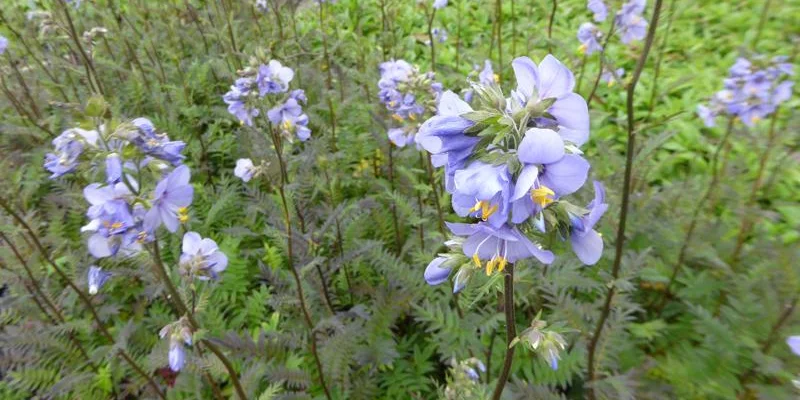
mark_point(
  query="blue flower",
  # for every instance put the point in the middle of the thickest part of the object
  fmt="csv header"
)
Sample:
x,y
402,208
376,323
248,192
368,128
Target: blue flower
x,y
113,169
599,8
156,144
552,81
244,169
273,78
178,334
114,230
794,344
201,257
96,278
171,197
586,242
630,23
438,270
483,191
438,4
236,99
68,147
589,36
290,119
3,44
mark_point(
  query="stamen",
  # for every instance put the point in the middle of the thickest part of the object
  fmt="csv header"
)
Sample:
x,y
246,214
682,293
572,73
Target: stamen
x,y
541,196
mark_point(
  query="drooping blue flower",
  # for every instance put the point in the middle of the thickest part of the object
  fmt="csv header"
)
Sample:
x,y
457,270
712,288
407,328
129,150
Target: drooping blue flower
x,y
437,271
629,21
552,81
67,148
273,78
179,335
589,36
244,169
487,77
156,144
483,191
96,278
114,230
497,246
236,99
171,197
113,169
201,258
401,136
586,242
290,119
599,8
443,136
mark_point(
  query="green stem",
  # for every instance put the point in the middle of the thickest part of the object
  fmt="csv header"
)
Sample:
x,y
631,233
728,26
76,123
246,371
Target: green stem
x,y
511,331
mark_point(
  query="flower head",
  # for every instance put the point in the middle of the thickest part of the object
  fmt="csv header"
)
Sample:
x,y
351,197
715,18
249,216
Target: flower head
x,y
273,78
171,197
156,144
244,169
586,242
438,4
290,119
236,99
599,8
201,257
629,21
794,344
4,44
68,147
589,36
178,333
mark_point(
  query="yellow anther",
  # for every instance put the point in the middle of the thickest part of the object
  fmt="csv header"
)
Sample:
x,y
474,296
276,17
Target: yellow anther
x,y
755,119
490,266
501,263
116,225
392,103
497,78
476,260
397,117
287,125
541,196
582,48
611,82
486,209
412,117
183,215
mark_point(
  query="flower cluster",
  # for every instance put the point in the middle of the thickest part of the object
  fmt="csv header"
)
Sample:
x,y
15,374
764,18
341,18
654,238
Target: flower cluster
x,y
266,86
508,165
548,342
464,379
409,95
178,333
628,22
67,149
752,91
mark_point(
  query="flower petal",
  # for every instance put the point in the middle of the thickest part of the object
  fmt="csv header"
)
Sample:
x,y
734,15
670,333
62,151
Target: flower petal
x,y
527,75
555,80
541,146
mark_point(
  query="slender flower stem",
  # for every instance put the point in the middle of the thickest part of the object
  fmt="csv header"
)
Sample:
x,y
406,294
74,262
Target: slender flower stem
x,y
511,331
183,310
431,39
661,50
458,35
550,27
24,86
392,207
91,71
712,185
434,184
499,13
747,222
761,22
580,74
600,62
328,76
84,298
620,240
290,255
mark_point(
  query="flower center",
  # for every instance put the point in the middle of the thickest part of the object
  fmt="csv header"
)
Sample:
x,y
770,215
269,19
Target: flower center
x,y
485,208
542,196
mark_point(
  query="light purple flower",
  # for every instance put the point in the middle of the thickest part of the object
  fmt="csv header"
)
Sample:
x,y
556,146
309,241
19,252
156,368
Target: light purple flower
x,y
244,169
629,21
236,99
290,119
598,7
273,78
178,334
113,168
552,80
400,136
114,230
3,44
96,278
172,195
68,147
201,257
437,271
611,77
483,191
501,245
586,242
487,76
439,4
156,144
589,36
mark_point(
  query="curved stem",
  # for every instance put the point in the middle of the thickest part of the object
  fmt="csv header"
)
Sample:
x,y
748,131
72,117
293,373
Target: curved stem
x,y
183,310
290,255
620,240
84,298
511,331
328,76
550,27
600,60
431,40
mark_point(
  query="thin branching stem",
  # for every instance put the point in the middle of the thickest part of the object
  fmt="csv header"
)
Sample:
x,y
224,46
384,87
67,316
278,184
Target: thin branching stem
x,y
550,26
626,187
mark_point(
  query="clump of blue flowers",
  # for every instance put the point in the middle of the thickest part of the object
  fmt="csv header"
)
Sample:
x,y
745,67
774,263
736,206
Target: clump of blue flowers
x,y
628,23
509,165
752,91
263,89
410,95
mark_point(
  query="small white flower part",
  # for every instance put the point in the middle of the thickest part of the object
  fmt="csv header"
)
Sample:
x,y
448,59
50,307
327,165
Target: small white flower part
x,y
97,278
244,169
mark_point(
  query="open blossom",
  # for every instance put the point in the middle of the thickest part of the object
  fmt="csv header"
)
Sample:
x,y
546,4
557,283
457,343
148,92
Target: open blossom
x,y
552,81
483,191
611,77
589,36
236,99
201,257
794,344
244,169
156,144
599,8
438,4
68,147
439,35
290,119
408,95
273,78
171,197
629,21
586,242
114,229
3,44
96,278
